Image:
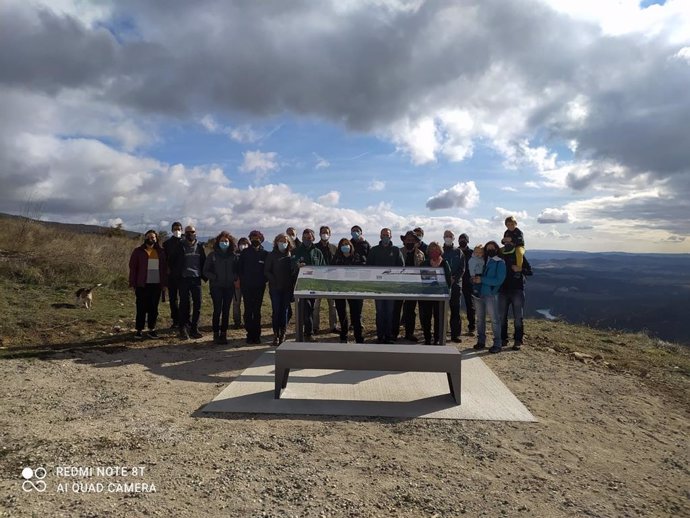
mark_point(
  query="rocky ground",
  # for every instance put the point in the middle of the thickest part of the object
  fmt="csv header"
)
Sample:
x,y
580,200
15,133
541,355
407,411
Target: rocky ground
x,y
608,443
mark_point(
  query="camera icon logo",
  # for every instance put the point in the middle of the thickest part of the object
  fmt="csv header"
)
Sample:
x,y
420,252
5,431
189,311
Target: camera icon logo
x,y
29,475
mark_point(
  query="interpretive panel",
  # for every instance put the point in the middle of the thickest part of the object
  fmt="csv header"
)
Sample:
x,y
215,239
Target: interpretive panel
x,y
369,281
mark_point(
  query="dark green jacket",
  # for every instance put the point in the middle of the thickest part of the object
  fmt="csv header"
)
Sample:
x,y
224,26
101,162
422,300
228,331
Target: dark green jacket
x,y
311,256
381,255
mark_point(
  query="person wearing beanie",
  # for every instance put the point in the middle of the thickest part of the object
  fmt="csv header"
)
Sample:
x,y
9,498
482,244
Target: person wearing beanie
x,y
252,281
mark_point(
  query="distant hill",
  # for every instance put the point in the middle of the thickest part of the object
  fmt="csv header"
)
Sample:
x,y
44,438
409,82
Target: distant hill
x,y
77,228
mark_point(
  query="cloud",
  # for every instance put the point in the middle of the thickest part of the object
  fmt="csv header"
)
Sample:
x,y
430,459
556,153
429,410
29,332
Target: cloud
x,y
243,134
553,216
330,198
676,239
376,185
461,195
502,214
259,162
509,189
321,163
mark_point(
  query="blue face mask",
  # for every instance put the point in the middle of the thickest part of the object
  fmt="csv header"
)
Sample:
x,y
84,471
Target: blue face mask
x,y
355,234
345,249
223,245
282,246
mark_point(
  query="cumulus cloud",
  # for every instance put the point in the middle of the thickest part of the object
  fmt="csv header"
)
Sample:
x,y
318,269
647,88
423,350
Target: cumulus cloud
x,y
461,195
259,162
330,198
502,214
553,216
376,185
321,162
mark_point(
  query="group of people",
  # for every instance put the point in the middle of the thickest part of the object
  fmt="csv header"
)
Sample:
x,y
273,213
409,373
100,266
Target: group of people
x,y
489,278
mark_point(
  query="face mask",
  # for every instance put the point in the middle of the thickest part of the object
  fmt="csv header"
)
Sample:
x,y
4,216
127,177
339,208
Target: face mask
x,y
307,242
150,242
345,249
492,253
448,241
282,246
325,237
435,254
177,233
190,237
462,243
355,234
242,247
386,240
255,243
223,245
409,246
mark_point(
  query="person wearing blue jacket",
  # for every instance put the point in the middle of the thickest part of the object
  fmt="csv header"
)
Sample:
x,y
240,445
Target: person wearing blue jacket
x,y
487,303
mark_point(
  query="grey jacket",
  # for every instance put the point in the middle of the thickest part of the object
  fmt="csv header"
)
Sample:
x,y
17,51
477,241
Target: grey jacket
x,y
220,268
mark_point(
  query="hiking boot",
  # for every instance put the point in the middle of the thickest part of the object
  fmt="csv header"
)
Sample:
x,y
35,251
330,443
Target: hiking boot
x,y
517,346
411,338
194,333
276,340
223,338
495,349
479,346
184,333
456,340
216,337
281,336
153,334
470,332
138,335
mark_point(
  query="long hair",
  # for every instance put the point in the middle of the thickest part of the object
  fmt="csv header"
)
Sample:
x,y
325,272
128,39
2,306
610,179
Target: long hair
x,y
290,245
226,234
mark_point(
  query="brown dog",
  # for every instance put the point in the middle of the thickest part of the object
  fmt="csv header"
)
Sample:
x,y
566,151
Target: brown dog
x,y
84,296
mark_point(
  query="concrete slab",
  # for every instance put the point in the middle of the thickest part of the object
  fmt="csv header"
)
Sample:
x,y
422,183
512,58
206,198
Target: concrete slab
x,y
372,393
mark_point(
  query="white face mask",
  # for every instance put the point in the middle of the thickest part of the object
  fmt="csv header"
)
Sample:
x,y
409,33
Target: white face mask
x,y
177,233
448,240
325,237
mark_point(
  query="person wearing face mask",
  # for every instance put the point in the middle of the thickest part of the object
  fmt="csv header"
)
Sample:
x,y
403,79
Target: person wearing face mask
x,y
173,281
412,256
252,282
433,309
385,254
187,263
281,273
220,268
420,234
292,234
360,244
487,303
307,254
148,276
328,250
456,260
345,256
467,288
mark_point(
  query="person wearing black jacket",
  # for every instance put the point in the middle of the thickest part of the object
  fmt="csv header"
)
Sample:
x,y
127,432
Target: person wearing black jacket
x,y
385,254
281,274
328,250
412,256
456,260
463,244
512,295
252,279
187,263
173,281
345,256
220,268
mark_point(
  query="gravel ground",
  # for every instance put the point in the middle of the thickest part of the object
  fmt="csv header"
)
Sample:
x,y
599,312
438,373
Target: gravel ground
x,y
607,444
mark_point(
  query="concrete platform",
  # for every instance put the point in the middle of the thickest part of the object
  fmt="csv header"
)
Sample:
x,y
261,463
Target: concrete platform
x,y
372,393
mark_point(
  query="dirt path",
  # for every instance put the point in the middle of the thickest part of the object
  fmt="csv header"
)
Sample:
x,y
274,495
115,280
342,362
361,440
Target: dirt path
x,y
606,444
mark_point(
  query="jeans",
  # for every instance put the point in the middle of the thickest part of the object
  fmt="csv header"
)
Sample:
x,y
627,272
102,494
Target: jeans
x,y
384,319
190,287
253,298
281,310
331,314
355,314
454,303
147,305
516,300
174,295
488,305
222,298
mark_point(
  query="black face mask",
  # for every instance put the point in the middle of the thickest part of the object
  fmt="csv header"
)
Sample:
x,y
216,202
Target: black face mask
x,y
256,243
190,237
409,246
150,242
462,243
492,253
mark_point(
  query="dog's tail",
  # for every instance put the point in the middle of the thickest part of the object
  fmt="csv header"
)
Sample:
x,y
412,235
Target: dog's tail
x,y
96,286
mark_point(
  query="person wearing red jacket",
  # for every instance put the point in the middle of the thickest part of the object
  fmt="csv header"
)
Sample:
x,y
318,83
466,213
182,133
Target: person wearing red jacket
x,y
148,277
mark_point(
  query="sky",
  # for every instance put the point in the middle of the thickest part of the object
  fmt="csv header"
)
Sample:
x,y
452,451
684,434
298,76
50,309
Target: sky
x,y
571,116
